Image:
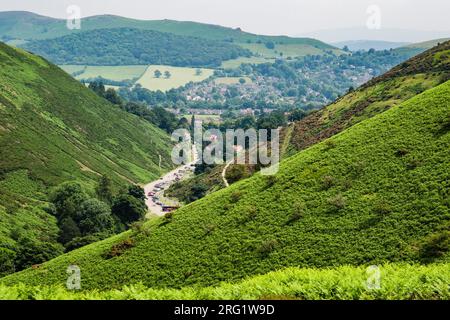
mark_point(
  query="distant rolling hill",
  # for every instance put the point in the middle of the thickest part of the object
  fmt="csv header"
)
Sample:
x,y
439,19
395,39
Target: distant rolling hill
x,y
419,47
19,26
52,130
366,45
126,46
375,192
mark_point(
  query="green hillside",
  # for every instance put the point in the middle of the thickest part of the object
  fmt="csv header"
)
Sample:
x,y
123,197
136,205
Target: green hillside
x,y
126,46
52,130
399,282
29,26
417,48
404,81
374,193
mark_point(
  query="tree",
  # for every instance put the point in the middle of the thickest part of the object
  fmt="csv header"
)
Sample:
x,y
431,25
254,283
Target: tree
x,y
95,217
30,252
104,190
167,74
98,88
128,209
158,74
112,96
67,199
242,81
346,49
68,230
198,72
137,192
6,261
198,191
79,242
297,115
270,45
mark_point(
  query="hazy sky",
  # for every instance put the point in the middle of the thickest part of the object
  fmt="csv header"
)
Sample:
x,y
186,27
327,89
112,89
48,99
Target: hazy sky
x,y
291,17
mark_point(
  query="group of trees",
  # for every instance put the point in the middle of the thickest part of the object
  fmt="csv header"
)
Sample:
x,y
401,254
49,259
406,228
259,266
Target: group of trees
x,y
158,74
155,115
126,46
84,219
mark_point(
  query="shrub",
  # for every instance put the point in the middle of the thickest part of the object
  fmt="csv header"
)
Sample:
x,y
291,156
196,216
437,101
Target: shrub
x,y
252,212
236,196
401,152
297,213
382,208
413,163
329,144
337,202
435,246
327,182
271,180
138,227
267,247
210,228
119,248
168,216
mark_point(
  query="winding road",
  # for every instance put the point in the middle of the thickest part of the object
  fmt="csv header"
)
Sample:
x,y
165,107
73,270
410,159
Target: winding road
x,y
154,191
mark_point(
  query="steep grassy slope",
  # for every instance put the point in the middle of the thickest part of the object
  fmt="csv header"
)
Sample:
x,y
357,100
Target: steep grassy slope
x,y
410,78
53,129
29,26
376,192
399,282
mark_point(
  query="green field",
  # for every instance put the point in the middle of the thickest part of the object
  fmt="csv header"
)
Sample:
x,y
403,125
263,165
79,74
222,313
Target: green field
x,y
232,80
179,77
116,73
397,281
215,118
235,63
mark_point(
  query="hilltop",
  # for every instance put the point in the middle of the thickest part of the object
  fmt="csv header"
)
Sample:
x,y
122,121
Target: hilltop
x,y
126,46
52,130
376,192
26,26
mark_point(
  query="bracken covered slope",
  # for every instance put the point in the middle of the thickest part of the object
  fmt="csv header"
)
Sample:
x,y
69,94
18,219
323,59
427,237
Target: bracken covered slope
x,y
376,192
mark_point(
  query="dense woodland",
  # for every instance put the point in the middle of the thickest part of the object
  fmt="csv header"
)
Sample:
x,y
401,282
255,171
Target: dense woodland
x,y
125,46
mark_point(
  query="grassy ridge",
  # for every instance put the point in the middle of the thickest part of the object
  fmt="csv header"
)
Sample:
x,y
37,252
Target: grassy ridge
x,y
401,83
399,282
29,26
376,192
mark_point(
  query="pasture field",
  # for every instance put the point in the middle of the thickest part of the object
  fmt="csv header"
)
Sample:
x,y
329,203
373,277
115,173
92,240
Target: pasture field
x,y
215,118
235,63
116,73
180,76
232,80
